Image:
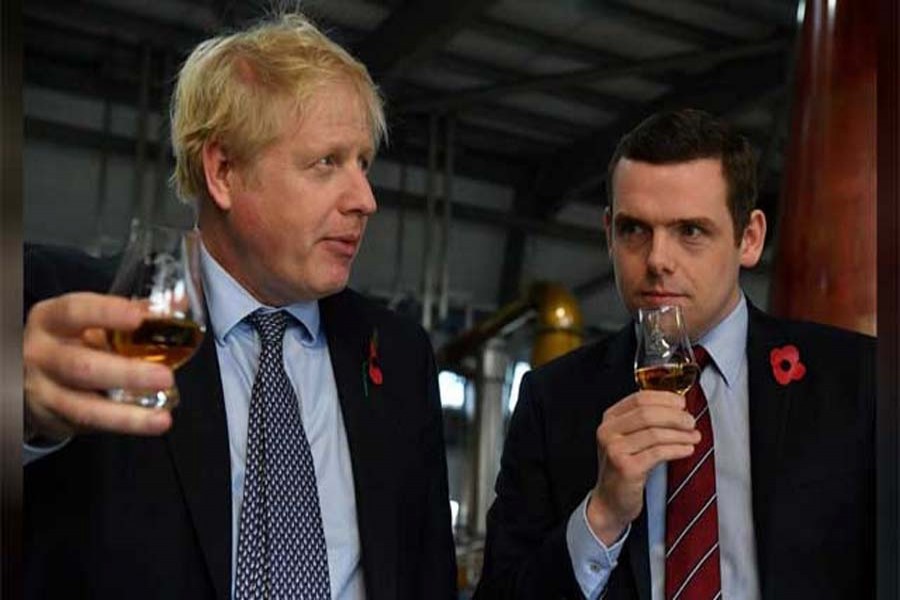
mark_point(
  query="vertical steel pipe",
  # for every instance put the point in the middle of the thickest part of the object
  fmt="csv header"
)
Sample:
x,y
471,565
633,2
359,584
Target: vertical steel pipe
x,y
430,200
488,429
399,247
95,246
162,140
139,207
444,299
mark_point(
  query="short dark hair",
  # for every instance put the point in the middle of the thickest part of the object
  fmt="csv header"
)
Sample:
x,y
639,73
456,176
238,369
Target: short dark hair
x,y
690,134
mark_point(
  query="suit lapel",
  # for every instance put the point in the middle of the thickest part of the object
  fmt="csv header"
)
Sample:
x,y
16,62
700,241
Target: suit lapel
x,y
769,410
198,442
369,428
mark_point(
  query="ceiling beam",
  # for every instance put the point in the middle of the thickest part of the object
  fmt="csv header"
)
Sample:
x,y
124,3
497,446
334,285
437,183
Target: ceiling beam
x,y
475,164
413,32
490,72
107,22
544,128
544,44
414,128
88,78
582,165
684,61
476,158
500,114
779,13
665,27
484,153
748,25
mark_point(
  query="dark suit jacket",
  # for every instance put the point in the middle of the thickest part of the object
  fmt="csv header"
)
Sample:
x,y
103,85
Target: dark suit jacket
x,y
812,469
112,516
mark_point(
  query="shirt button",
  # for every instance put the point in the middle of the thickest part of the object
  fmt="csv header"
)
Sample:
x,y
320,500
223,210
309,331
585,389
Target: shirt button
x,y
594,567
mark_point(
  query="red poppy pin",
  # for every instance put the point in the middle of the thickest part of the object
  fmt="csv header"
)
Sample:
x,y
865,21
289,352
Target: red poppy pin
x,y
370,367
786,365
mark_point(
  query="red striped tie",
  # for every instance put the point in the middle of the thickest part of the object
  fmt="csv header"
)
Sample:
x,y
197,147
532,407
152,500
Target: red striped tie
x,y
692,519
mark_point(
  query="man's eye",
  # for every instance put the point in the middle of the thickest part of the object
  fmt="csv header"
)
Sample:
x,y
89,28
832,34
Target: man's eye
x,y
691,231
629,229
326,161
364,164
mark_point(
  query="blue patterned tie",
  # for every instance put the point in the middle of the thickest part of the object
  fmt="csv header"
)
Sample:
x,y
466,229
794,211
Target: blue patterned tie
x,y
281,544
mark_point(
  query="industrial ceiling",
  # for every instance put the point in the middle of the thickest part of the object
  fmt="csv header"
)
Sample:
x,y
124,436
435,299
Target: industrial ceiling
x,y
531,95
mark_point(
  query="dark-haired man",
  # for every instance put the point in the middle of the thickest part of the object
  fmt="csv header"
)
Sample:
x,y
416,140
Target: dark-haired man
x,y
758,485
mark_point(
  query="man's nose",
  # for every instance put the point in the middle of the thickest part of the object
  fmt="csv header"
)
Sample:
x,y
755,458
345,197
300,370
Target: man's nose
x,y
660,258
359,196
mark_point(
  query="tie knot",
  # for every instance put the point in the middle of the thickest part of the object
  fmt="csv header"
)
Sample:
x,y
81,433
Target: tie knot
x,y
270,325
701,356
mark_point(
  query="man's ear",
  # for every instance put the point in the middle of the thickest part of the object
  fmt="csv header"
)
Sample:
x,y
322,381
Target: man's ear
x,y
754,239
219,171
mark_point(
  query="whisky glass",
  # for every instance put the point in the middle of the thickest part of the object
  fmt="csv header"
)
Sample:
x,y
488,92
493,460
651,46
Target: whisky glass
x,y
664,359
160,270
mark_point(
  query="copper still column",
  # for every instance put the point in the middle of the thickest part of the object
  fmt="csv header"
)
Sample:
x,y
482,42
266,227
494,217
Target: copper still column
x,y
825,265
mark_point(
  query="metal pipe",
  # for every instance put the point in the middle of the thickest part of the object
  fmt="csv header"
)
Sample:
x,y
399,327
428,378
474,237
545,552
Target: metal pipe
x,y
138,206
444,302
559,325
506,318
430,199
401,236
489,428
162,146
95,246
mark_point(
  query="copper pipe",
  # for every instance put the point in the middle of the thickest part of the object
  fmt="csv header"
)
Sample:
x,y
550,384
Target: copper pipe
x,y
825,263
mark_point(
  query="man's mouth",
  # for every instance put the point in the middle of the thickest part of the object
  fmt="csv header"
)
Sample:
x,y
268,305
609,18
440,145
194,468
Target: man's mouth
x,y
660,297
345,244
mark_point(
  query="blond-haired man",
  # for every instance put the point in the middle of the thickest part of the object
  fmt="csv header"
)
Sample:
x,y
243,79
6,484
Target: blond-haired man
x,y
274,129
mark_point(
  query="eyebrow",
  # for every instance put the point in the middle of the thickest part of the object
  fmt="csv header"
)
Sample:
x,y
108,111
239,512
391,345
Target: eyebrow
x,y
334,148
702,222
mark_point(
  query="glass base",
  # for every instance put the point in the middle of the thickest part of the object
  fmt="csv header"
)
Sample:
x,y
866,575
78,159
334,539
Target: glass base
x,y
165,399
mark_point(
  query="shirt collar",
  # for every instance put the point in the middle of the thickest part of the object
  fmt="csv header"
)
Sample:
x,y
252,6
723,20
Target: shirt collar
x,y
726,342
229,303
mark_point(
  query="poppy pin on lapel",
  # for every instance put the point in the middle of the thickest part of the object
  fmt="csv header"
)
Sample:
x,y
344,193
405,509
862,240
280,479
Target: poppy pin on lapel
x,y
786,365
371,370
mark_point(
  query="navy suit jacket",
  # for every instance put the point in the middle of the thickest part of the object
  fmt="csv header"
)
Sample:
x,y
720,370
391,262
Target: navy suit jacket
x,y
112,516
812,469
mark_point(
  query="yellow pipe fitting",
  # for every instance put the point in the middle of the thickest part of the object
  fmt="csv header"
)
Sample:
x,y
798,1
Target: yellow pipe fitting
x,y
558,329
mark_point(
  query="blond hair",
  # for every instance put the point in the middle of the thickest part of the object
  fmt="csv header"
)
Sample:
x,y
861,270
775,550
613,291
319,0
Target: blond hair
x,y
233,90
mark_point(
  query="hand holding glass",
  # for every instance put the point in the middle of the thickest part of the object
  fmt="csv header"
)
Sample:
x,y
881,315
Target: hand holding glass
x,y
664,359
161,270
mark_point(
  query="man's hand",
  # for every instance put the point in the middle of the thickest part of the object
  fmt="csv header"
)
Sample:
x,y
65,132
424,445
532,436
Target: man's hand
x,y
636,434
68,367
